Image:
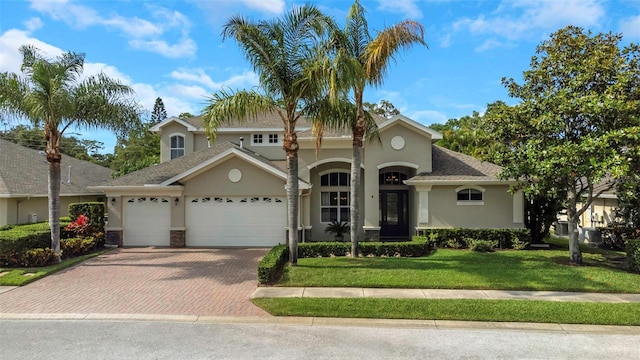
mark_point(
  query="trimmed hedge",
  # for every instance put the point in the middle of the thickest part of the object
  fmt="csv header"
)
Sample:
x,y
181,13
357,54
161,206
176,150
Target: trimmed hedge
x,y
93,210
272,264
633,254
414,248
459,237
15,242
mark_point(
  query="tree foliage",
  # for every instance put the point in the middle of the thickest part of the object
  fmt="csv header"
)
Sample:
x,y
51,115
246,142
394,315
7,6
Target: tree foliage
x,y
579,104
55,95
139,149
384,108
280,52
360,60
159,113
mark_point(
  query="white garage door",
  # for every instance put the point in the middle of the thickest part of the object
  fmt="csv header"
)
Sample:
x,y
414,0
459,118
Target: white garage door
x,y
147,221
235,221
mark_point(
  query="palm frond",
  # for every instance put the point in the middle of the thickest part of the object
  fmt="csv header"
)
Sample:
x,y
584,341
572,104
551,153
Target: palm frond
x,y
385,46
225,106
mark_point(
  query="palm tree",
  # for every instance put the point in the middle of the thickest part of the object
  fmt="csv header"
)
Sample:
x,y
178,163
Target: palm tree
x,y
280,51
361,60
53,93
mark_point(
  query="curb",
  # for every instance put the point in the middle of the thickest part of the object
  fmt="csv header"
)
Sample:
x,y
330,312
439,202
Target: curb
x,y
318,321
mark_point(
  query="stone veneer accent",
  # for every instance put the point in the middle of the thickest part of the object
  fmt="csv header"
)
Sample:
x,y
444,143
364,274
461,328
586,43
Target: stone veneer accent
x,y
114,238
177,238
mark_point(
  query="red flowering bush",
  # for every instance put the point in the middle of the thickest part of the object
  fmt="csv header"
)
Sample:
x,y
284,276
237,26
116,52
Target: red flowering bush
x,y
81,226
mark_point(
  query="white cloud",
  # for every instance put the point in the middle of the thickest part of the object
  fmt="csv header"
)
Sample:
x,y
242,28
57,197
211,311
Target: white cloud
x,y
520,19
190,91
630,28
143,34
33,24
199,76
406,7
488,45
184,48
10,43
428,117
270,6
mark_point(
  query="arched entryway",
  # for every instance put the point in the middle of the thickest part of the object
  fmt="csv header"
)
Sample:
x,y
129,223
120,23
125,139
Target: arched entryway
x,y
394,202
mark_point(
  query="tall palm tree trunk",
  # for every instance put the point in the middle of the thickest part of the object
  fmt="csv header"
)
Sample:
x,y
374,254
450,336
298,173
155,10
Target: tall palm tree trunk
x,y
54,157
356,163
290,145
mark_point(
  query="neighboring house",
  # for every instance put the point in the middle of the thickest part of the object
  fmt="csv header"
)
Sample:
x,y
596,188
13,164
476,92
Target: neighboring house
x,y
232,192
24,183
601,211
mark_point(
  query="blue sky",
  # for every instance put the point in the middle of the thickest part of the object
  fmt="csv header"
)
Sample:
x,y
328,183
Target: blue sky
x,y
173,49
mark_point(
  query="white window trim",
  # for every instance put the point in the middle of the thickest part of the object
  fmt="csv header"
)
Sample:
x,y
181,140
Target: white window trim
x,y
265,139
334,188
184,145
470,202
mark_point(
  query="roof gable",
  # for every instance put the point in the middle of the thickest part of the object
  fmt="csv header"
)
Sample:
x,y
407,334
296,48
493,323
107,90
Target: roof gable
x,y
434,135
158,127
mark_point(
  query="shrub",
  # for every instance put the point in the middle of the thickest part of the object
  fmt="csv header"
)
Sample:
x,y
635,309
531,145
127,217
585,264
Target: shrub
x,y
420,246
77,246
15,242
324,249
93,210
633,255
272,264
481,245
455,238
37,257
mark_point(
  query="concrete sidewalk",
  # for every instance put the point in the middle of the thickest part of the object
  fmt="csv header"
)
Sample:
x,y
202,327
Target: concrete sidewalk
x,y
326,292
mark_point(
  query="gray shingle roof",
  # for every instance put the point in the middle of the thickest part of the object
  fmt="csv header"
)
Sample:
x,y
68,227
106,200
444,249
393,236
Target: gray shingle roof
x,y
24,171
158,174
451,165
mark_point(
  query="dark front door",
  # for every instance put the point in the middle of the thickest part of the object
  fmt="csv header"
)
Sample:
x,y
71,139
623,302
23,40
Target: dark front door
x,y
394,214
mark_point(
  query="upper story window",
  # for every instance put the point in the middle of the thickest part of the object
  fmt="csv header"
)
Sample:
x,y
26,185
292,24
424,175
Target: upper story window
x,y
470,195
177,146
392,178
265,139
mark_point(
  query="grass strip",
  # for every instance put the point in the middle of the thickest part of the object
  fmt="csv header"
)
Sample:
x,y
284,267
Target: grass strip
x,y
539,270
17,277
457,309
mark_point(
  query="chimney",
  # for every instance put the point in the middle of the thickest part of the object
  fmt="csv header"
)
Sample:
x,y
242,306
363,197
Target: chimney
x,y
241,143
69,175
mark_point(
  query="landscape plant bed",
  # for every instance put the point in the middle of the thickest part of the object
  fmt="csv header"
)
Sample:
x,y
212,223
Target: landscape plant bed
x,y
457,309
23,276
464,269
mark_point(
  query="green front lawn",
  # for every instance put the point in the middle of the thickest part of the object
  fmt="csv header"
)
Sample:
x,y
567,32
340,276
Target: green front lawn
x,y
23,276
457,309
541,270
463,269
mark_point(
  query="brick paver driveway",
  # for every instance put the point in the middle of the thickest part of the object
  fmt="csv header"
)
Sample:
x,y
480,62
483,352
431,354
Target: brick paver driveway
x,y
147,281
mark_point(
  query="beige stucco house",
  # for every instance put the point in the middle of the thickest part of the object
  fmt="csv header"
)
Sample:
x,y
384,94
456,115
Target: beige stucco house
x,y
232,192
23,183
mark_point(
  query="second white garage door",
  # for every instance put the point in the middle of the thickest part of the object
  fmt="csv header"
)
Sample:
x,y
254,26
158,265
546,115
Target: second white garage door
x,y
147,221
235,221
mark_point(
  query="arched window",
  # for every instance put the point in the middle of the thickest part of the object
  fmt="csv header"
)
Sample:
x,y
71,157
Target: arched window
x,y
334,197
177,146
470,195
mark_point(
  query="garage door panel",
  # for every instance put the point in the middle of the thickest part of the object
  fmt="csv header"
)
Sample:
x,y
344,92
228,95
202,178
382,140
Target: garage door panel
x,y
146,221
235,221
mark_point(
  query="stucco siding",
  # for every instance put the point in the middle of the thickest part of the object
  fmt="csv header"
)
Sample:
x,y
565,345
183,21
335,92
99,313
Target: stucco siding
x,y
216,181
200,142
270,151
416,150
18,211
601,213
165,141
317,230
496,212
